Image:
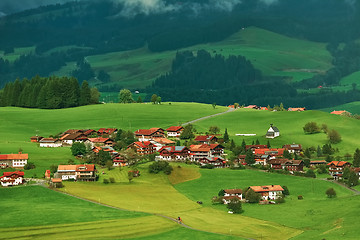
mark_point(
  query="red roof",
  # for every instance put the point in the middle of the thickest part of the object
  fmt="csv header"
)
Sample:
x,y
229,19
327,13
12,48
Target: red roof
x,y
145,132
14,156
267,188
338,112
174,128
9,174
256,146
233,191
98,140
144,144
338,163
205,138
272,151
106,130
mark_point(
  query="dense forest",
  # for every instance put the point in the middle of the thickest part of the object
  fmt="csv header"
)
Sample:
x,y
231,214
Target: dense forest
x,y
49,93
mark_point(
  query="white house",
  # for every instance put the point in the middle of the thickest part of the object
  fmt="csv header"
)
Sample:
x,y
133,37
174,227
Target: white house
x,y
67,172
50,142
18,160
269,192
232,193
174,131
273,132
12,178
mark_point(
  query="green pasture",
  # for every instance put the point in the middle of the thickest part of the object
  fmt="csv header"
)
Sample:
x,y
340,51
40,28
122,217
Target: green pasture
x,y
17,53
113,97
41,206
353,107
315,214
274,54
350,79
19,124
290,125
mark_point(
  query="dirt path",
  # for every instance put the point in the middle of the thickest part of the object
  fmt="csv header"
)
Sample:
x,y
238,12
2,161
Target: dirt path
x,y
356,192
206,117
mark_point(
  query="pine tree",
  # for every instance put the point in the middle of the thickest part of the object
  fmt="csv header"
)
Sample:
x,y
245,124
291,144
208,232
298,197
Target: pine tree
x,y
226,136
249,159
268,144
319,151
356,162
85,94
257,142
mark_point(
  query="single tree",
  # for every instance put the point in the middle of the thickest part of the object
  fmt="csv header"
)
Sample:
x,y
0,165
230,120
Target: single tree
x,y
286,190
235,206
346,173
257,142
85,93
243,145
353,179
250,158
306,162
232,145
307,153
319,151
188,132
356,162
334,136
214,129
78,148
154,98
221,193
158,100
109,164
125,96
268,144
287,154
236,105
252,197
94,95
311,128
213,105
325,128
130,176
310,173
139,100
330,193
103,157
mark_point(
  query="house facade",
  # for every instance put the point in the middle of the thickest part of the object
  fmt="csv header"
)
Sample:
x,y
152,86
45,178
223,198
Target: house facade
x,y
143,148
293,148
18,160
268,192
50,142
148,134
174,131
336,168
207,139
231,194
217,162
173,153
11,178
161,142
82,172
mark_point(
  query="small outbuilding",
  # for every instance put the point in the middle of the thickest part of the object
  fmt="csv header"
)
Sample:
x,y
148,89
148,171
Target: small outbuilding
x,y
273,132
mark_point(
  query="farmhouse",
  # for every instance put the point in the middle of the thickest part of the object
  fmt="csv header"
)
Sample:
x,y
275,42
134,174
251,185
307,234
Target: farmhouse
x,y
232,193
253,147
290,165
107,131
269,192
143,148
273,132
11,178
47,174
148,134
70,138
50,142
341,112
293,148
173,153
174,131
206,139
100,141
296,109
161,142
82,172
317,163
273,152
35,138
18,160
198,152
336,168
217,162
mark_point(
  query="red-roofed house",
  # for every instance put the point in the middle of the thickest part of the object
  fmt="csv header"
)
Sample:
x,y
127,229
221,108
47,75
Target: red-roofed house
x,y
35,138
198,152
173,153
272,152
50,142
82,172
269,192
253,147
207,139
174,131
108,131
217,162
297,109
252,107
230,194
341,112
47,174
161,142
143,148
18,160
100,141
148,134
12,178
336,168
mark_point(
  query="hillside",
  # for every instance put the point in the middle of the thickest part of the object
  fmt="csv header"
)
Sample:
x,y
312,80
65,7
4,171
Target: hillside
x,y
353,107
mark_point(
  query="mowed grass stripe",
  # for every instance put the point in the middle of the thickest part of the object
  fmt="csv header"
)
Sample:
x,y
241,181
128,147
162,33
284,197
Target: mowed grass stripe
x,y
93,230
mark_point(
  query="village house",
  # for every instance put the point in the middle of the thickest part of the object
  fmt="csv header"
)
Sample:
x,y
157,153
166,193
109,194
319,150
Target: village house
x,y
107,131
232,193
70,138
273,152
143,148
99,141
50,142
56,182
198,152
252,107
315,163
290,165
262,159
207,139
217,162
277,163
336,168
293,148
119,161
174,131
173,153
11,178
273,132
296,109
47,174
18,160
253,147
161,142
81,172
35,138
341,112
269,192
148,134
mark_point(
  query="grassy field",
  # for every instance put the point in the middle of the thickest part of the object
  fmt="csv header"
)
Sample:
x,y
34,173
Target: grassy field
x,y
316,215
290,125
353,107
274,54
18,125
11,57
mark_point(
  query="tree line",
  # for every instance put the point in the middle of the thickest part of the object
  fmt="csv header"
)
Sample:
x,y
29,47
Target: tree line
x,y
49,93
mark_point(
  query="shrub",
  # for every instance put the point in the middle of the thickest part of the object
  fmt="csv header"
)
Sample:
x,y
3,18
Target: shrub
x,y
106,181
235,206
29,165
159,166
252,197
207,166
286,190
330,193
112,180
311,128
300,197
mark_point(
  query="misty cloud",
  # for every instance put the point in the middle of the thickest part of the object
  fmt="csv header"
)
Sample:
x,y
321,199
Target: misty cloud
x,y
147,7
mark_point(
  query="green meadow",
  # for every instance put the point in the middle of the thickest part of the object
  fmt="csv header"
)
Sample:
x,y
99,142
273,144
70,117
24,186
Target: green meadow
x,y
274,54
290,125
353,107
18,125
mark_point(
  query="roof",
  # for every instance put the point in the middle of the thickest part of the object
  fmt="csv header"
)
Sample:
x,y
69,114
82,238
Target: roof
x,y
78,168
147,132
338,163
267,188
49,140
71,136
278,161
173,148
294,162
56,180
85,167
256,146
71,131
205,138
162,140
233,191
338,112
271,151
318,162
293,146
274,128
174,128
251,106
144,144
66,168
88,131
14,156
297,109
107,130
9,174
98,140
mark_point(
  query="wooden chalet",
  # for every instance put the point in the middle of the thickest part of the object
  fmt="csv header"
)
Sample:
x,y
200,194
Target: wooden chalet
x,y
268,192
253,147
81,172
290,165
50,142
107,131
143,148
173,153
217,162
198,152
174,131
148,134
100,141
18,160
293,148
336,168
12,178
207,139
273,152
231,194
317,162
